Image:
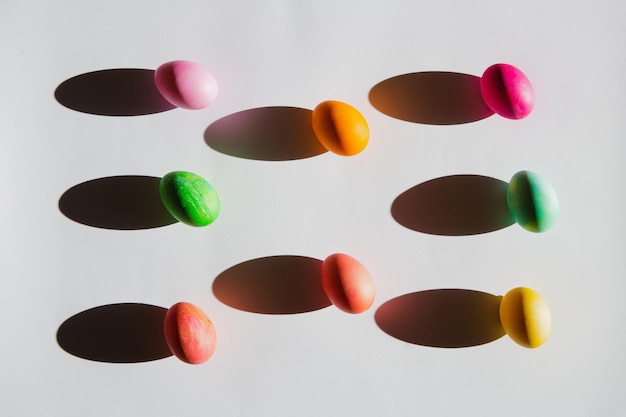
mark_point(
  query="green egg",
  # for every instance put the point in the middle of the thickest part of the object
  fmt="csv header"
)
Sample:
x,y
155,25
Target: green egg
x,y
189,198
532,201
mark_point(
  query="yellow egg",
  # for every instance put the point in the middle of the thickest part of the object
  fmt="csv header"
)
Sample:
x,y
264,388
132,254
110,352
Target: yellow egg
x,y
340,128
525,317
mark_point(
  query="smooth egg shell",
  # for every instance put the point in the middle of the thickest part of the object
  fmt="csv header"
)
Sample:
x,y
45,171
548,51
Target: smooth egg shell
x,y
189,333
186,84
189,198
347,283
340,128
532,201
525,317
507,91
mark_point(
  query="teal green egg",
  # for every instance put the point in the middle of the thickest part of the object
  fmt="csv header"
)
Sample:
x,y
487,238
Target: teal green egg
x,y
532,201
189,198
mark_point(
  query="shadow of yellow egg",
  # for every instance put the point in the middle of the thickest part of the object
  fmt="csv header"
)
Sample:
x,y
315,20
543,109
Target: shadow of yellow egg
x,y
525,317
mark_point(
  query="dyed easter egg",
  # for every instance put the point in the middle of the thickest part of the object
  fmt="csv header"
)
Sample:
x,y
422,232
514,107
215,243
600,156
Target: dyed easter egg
x,y
189,198
186,84
525,317
532,201
189,333
340,128
507,91
347,284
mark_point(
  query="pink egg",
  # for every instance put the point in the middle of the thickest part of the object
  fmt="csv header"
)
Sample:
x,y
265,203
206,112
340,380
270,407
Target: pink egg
x,y
186,84
507,91
347,284
189,333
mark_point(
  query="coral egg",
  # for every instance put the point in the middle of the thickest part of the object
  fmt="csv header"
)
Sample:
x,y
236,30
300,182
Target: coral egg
x,y
189,333
340,128
189,198
347,283
507,91
525,317
186,84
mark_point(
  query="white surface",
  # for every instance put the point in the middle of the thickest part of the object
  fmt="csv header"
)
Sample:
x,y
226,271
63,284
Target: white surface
x,y
282,53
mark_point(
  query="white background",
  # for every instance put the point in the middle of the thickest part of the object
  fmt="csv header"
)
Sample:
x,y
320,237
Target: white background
x,y
288,53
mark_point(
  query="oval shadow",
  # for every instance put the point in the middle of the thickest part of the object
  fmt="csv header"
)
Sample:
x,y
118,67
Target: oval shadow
x,y
128,202
116,333
273,285
113,92
456,205
265,133
433,97
446,318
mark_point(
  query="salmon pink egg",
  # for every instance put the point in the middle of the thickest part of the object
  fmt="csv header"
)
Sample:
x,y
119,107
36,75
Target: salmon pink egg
x,y
347,284
186,84
189,333
507,91
340,128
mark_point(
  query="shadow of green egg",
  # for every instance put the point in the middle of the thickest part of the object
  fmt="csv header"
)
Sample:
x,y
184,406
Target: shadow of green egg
x,y
455,205
125,202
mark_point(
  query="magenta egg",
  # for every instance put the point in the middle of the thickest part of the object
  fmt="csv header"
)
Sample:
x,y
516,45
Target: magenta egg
x,y
186,84
507,91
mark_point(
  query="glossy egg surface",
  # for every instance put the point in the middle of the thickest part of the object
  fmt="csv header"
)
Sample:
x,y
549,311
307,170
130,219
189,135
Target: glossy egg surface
x,y
532,201
507,91
186,84
347,283
189,198
340,128
189,333
525,317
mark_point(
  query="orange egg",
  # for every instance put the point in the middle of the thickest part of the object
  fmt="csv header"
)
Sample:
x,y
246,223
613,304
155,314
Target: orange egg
x,y
340,128
525,317
189,333
347,284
